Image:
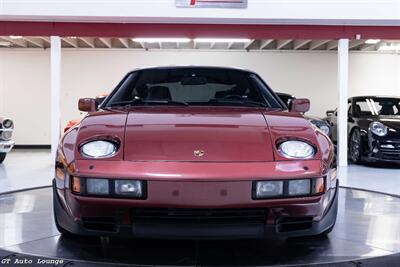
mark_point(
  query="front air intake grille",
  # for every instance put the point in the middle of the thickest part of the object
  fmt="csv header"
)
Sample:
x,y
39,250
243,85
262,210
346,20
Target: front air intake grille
x,y
390,150
200,216
290,224
105,224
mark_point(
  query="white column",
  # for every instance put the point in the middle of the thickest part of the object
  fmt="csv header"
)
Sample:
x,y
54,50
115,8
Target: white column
x,y
55,93
343,76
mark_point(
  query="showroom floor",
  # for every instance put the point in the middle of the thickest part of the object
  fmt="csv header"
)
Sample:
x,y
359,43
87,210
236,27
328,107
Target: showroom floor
x,y
32,168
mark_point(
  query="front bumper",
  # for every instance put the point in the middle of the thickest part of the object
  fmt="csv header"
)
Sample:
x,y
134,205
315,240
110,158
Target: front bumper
x,y
288,218
383,150
6,146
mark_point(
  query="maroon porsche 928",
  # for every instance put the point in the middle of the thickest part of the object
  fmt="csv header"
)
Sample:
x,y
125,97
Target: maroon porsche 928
x,y
194,153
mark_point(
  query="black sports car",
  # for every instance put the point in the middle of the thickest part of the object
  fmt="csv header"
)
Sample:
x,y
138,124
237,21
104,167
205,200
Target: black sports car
x,y
373,128
318,122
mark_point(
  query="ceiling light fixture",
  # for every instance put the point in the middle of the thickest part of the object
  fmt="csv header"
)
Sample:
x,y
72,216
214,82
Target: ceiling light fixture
x,y
372,41
15,37
389,47
5,43
222,40
161,40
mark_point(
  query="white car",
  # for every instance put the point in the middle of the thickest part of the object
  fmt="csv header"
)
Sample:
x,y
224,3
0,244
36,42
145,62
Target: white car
x,y
6,142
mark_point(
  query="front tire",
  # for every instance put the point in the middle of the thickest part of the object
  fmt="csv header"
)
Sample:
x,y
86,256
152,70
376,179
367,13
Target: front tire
x,y
355,146
2,157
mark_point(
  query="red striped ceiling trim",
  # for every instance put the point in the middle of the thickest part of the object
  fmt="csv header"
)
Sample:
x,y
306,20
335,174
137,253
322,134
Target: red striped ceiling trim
x,y
197,30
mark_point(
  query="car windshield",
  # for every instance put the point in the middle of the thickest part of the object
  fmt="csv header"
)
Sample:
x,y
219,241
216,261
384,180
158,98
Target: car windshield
x,y
377,106
185,86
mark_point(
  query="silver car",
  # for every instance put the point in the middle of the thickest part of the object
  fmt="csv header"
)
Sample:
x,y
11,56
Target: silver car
x,y
6,142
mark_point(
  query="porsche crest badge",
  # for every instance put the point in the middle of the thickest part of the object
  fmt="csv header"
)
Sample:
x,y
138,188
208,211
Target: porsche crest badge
x,y
198,153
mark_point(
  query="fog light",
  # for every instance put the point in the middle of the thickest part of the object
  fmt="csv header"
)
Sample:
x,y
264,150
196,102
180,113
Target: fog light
x,y
266,189
97,186
299,187
129,188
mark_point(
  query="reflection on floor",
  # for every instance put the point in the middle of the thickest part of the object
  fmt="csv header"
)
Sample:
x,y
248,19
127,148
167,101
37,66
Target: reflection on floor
x,y
381,178
25,168
367,226
30,168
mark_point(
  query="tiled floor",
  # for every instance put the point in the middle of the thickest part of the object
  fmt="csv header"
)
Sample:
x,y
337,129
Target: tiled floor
x,y
31,168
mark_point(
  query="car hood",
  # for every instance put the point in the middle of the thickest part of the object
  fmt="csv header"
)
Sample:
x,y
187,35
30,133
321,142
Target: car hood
x,y
392,122
197,134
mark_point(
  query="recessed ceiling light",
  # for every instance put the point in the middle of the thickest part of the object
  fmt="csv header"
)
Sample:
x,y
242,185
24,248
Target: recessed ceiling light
x,y
389,47
15,37
372,41
221,40
161,40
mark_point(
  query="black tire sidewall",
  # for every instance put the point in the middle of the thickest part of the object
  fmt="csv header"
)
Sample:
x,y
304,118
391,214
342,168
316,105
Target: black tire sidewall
x,y
358,160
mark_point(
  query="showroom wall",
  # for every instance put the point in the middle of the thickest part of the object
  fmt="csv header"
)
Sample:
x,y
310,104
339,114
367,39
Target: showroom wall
x,y
25,83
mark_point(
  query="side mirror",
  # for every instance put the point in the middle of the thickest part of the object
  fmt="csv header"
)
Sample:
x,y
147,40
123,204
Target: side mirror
x,y
330,112
87,104
100,99
300,105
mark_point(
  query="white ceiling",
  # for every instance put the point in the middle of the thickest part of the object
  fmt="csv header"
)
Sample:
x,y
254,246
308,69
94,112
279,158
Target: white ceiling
x,y
130,43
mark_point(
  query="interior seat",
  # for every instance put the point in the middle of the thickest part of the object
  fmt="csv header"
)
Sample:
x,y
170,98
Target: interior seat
x,y
386,110
159,93
234,91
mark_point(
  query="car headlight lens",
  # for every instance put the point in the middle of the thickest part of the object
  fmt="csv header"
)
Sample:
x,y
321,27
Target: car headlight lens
x,y
6,135
325,129
132,188
323,126
98,149
97,186
288,188
266,189
299,187
296,150
7,123
109,187
378,128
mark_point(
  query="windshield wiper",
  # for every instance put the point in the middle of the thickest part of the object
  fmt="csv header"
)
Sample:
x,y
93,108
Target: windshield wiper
x,y
243,102
148,101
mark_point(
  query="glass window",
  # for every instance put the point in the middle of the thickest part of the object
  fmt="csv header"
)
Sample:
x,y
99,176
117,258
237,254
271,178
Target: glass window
x,y
193,86
377,106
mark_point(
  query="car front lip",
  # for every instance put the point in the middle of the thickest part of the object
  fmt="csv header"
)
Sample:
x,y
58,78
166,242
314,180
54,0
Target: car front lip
x,y
389,155
6,146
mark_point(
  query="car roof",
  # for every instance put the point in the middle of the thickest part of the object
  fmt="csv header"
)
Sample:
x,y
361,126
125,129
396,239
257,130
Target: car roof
x,y
374,96
190,66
